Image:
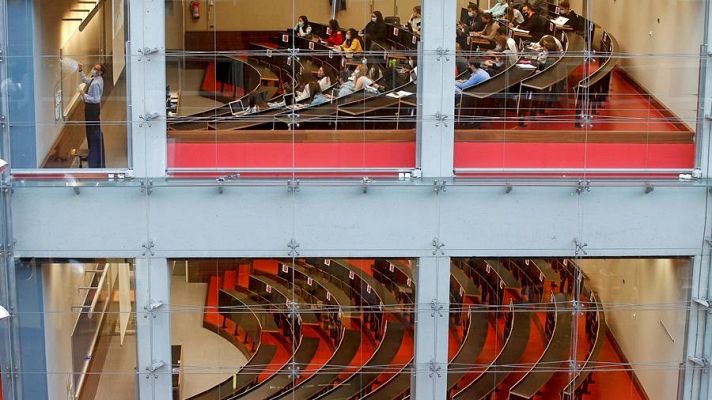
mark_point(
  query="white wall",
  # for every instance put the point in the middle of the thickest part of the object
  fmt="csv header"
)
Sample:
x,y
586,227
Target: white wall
x,y
640,334
51,34
672,79
60,293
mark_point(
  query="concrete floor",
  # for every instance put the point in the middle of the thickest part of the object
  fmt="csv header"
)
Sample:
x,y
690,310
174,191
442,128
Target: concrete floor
x,y
187,82
208,358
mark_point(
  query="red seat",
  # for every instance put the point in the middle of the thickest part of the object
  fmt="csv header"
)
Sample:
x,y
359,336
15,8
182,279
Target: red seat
x,y
212,317
230,279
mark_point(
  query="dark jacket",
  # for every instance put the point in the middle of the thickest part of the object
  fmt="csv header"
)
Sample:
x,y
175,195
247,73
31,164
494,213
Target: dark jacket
x,y
536,25
375,31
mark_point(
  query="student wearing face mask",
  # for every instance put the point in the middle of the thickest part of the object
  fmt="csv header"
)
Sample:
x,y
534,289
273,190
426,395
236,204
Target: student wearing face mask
x,y
91,95
352,44
473,23
303,29
412,69
415,20
375,30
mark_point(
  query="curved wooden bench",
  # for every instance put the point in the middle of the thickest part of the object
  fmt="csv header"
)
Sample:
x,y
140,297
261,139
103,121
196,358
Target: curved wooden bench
x,y
325,376
278,381
308,317
376,365
500,368
472,345
555,355
573,388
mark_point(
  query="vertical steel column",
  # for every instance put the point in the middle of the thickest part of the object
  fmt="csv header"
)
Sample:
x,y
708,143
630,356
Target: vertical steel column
x,y
432,286
436,89
697,382
9,348
696,375
4,128
153,329
147,87
704,101
10,384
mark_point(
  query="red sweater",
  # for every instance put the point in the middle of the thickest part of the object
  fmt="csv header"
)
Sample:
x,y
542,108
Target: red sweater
x,y
335,39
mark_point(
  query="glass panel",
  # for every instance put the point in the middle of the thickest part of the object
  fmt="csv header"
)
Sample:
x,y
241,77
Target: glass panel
x,y
562,328
572,91
79,317
67,85
240,95
294,328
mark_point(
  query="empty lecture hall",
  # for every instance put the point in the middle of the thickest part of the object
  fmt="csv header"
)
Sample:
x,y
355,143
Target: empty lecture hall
x,y
355,199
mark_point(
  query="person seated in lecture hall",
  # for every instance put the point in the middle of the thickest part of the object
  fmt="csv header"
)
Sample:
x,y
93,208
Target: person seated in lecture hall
x,y
506,45
415,20
352,44
474,19
534,23
473,23
460,60
375,30
317,97
334,36
566,11
499,9
411,70
547,49
322,79
477,76
513,17
303,29
490,29
546,38
357,81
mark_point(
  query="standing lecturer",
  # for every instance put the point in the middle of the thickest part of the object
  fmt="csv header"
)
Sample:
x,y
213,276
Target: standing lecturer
x,y
93,90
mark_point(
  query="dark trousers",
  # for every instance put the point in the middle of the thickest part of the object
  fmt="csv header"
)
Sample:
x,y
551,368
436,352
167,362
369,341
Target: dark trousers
x,y
95,139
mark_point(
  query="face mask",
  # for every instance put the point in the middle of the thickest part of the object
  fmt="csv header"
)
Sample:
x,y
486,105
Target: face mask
x,y
410,62
348,37
470,13
92,73
373,19
301,23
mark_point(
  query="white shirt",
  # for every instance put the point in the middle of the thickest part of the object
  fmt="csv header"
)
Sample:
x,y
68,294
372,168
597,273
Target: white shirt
x,y
96,88
511,50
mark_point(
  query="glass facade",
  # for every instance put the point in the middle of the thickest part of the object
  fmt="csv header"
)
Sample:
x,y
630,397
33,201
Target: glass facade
x,y
354,199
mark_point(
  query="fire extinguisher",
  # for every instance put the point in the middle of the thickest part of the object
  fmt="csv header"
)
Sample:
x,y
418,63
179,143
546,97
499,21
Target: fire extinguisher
x,y
195,9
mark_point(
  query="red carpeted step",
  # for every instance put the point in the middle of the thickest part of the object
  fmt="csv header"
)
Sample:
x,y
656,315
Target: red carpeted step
x,y
209,83
264,265
321,356
281,356
243,275
230,279
212,317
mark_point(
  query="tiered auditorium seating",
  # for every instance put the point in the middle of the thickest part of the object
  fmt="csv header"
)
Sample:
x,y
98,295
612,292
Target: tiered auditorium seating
x,y
352,295
525,291
358,308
